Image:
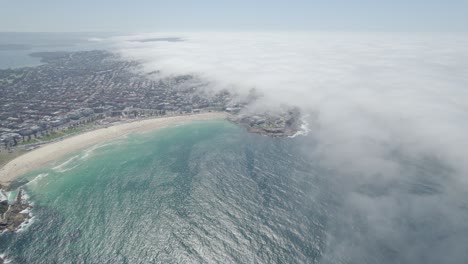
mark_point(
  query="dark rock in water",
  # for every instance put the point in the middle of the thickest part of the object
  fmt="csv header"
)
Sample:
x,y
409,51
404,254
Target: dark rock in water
x,y
16,184
3,207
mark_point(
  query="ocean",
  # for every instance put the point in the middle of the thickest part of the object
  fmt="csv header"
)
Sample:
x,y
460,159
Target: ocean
x,y
15,47
195,193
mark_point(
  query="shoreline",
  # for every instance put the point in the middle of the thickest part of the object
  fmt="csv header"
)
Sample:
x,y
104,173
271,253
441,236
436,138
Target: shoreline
x,y
51,151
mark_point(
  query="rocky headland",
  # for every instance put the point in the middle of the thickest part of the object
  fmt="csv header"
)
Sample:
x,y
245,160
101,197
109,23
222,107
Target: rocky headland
x,y
13,214
283,124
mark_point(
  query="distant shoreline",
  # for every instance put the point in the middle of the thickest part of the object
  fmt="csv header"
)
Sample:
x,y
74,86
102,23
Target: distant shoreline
x,y
54,150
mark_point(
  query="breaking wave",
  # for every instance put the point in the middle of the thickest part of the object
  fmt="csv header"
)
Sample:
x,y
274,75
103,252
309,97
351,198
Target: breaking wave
x,y
304,131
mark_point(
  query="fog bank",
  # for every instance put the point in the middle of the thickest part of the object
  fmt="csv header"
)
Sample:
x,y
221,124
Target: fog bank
x,y
389,119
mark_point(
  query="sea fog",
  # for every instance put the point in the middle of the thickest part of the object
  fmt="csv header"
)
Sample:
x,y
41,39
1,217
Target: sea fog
x,y
387,116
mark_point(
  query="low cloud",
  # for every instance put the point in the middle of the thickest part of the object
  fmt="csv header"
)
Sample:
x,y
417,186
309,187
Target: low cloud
x,y
396,90
385,108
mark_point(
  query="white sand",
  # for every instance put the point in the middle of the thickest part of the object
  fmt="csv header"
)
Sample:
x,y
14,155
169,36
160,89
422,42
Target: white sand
x,y
55,150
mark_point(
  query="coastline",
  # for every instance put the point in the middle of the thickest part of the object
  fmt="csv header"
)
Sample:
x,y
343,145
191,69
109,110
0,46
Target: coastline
x,y
54,150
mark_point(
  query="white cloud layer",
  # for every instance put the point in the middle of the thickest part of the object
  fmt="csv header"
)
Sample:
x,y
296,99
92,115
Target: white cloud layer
x,y
378,98
379,90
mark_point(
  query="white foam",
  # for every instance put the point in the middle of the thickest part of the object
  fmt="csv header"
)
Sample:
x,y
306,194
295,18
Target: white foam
x,y
3,196
65,163
80,157
304,131
5,260
67,169
85,155
26,224
24,197
37,178
104,145
89,151
25,211
28,221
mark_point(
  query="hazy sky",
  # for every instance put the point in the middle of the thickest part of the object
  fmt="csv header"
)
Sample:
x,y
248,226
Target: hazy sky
x,y
239,15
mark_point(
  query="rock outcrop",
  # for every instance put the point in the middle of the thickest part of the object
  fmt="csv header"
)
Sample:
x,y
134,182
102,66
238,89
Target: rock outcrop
x,y
284,124
15,213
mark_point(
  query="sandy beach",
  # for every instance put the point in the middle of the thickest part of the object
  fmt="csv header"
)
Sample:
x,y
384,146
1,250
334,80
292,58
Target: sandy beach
x,y
55,150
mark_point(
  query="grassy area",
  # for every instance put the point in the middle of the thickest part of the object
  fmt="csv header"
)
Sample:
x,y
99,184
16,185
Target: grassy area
x,y
34,140
57,134
17,75
11,78
6,81
73,130
52,136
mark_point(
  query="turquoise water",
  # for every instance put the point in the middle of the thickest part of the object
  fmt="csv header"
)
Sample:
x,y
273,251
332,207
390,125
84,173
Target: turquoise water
x,y
196,193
